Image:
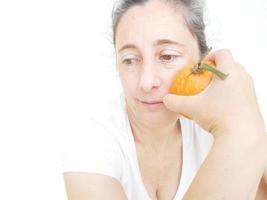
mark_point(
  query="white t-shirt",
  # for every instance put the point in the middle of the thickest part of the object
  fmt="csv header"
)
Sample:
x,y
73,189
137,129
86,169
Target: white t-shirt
x,y
108,148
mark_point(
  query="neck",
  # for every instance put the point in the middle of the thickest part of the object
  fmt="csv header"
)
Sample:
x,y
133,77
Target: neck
x,y
146,134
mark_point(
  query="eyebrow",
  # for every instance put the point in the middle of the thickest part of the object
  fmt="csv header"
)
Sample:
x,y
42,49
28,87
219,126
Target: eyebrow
x,y
156,43
166,41
127,46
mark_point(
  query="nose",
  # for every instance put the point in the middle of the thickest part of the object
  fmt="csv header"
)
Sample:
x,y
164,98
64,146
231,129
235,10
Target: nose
x,y
149,79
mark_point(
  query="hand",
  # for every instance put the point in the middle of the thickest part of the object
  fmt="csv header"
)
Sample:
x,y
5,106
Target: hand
x,y
228,105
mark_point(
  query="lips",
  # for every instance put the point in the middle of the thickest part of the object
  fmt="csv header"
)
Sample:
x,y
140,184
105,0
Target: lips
x,y
152,102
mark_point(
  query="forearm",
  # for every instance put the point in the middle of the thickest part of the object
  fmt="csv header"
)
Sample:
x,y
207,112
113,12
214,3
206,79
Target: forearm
x,y
265,172
232,170
265,175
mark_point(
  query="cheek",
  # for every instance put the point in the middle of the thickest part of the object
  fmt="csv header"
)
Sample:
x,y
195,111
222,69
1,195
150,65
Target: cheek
x,y
168,78
194,52
129,82
168,75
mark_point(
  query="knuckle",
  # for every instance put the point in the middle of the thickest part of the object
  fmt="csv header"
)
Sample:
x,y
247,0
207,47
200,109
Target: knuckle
x,y
226,52
250,78
239,66
224,56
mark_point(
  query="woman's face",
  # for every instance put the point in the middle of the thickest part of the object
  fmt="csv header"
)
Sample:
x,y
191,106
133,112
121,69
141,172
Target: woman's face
x,y
152,43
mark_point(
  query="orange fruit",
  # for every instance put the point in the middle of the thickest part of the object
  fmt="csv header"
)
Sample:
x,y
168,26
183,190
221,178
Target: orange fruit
x,y
194,78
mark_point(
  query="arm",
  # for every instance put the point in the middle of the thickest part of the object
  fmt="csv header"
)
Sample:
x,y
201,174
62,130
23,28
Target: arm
x,y
229,110
232,170
262,191
84,186
265,176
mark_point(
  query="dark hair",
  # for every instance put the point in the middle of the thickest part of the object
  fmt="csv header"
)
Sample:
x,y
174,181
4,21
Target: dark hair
x,y
193,15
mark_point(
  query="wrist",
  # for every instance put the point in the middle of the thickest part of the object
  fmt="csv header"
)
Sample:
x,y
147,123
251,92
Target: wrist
x,y
246,146
242,129
243,137
246,122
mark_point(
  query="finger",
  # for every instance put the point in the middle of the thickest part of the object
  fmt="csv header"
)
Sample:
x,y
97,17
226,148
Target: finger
x,y
222,58
185,105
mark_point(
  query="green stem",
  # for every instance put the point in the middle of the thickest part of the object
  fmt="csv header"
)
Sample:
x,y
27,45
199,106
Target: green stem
x,y
212,69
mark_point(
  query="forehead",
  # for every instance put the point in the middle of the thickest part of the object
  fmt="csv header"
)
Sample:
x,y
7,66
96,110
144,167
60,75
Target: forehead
x,y
147,23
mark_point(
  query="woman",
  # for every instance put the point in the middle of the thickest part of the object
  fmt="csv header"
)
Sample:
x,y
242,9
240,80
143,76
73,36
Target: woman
x,y
145,149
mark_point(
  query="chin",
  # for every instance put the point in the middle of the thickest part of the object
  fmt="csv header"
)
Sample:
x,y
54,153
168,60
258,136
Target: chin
x,y
158,118
156,115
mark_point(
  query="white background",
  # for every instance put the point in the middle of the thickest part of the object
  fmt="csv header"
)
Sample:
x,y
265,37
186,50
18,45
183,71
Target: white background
x,y
57,67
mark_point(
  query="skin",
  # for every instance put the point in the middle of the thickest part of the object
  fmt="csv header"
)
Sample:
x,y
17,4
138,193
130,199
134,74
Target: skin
x,y
147,66
146,71
239,132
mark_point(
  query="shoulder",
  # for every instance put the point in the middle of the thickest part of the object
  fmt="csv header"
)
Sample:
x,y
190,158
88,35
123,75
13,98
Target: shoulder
x,y
107,127
92,186
98,147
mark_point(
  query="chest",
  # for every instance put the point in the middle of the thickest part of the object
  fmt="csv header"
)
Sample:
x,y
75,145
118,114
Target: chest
x,y
161,174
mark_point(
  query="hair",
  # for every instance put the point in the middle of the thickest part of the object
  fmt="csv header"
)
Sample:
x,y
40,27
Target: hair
x,y
193,17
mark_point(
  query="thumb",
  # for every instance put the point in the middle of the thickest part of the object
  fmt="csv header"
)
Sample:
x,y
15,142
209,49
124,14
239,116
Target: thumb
x,y
184,105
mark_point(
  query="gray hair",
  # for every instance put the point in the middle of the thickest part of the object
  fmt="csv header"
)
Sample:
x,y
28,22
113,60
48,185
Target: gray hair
x,y
193,16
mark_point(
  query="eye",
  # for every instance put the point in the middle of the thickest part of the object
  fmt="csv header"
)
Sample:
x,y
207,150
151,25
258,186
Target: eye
x,y
130,60
168,56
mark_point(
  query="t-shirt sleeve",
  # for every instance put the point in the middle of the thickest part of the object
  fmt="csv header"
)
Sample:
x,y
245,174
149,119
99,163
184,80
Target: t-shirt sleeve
x,y
95,150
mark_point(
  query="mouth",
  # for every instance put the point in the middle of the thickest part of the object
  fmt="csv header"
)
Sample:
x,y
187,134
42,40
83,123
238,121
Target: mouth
x,y
152,103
